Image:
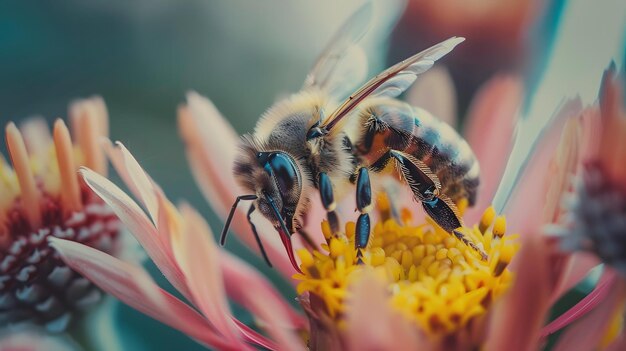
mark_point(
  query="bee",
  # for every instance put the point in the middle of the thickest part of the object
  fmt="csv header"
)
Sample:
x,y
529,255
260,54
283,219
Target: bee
x,y
324,139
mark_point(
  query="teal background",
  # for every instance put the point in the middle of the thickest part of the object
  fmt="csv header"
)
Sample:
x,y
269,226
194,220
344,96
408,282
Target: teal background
x,y
142,56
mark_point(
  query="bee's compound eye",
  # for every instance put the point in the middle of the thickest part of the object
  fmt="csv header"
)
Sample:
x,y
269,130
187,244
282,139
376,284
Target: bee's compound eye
x,y
284,172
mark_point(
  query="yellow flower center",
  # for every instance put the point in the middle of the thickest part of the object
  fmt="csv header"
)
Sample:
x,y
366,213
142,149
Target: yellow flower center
x,y
433,278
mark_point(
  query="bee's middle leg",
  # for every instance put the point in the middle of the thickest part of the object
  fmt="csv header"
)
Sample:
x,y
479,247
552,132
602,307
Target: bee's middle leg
x,y
364,205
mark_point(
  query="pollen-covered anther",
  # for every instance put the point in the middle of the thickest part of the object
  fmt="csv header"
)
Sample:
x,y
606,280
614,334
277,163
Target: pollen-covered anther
x,y
433,278
487,219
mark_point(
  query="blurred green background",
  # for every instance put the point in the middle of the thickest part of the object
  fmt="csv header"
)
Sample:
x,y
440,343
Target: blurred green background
x,y
143,55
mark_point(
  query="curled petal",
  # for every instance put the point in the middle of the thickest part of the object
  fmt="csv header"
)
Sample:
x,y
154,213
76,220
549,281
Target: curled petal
x,y
139,225
274,317
199,261
141,181
576,267
134,287
599,294
239,277
587,333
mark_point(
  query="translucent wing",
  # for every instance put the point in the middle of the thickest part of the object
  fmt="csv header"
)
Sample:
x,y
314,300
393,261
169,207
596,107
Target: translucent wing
x,y
342,64
394,80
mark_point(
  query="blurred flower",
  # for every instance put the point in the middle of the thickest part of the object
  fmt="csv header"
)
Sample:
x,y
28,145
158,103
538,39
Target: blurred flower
x,y
41,196
180,243
497,34
596,206
593,218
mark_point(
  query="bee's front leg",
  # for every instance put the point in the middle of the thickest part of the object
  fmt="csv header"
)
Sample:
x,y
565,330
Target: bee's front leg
x,y
328,201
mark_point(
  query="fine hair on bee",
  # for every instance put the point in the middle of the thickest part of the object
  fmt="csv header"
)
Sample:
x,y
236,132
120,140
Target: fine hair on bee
x,y
333,135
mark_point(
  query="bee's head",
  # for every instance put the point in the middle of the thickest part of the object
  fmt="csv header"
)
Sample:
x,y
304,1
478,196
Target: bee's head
x,y
273,176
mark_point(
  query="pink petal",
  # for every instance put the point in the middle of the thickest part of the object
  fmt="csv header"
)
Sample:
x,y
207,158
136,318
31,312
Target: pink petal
x,y
133,286
529,198
140,181
489,131
576,268
139,225
434,92
372,325
619,344
145,189
114,154
211,150
274,319
599,294
239,277
199,260
518,316
587,333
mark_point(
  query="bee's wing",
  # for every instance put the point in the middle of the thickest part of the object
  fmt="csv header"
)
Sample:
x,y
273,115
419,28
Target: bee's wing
x,y
343,63
394,80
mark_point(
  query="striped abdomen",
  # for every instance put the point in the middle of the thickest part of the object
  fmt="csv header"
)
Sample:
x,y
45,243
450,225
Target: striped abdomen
x,y
390,124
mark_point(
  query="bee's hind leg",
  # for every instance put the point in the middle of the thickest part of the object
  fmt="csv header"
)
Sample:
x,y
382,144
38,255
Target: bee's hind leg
x,y
425,187
443,211
328,201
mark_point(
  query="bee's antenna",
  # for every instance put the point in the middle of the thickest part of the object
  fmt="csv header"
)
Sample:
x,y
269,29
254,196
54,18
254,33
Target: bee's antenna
x,y
232,213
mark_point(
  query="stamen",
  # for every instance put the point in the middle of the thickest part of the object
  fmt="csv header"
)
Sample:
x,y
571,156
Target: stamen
x,y
433,278
19,157
88,129
94,157
36,137
499,227
487,219
67,167
102,113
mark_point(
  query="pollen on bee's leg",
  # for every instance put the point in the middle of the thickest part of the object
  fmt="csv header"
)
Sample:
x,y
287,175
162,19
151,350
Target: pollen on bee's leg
x,y
459,235
462,205
30,194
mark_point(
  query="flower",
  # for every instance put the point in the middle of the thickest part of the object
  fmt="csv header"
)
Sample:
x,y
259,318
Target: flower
x,y
180,243
41,196
495,106
593,218
464,302
540,274
435,280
